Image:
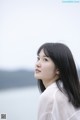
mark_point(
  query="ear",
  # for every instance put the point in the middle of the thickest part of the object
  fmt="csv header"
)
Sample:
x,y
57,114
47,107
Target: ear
x,y
57,72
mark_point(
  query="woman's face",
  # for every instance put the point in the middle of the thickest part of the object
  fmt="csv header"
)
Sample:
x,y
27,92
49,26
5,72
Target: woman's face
x,y
45,69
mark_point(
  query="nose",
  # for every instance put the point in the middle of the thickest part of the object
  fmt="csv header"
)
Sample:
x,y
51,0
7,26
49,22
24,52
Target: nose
x,y
38,63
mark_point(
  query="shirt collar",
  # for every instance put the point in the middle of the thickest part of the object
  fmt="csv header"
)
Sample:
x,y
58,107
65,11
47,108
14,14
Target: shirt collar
x,y
52,85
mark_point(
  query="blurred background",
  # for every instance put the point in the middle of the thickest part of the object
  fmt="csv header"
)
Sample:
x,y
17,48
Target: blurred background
x,y
24,26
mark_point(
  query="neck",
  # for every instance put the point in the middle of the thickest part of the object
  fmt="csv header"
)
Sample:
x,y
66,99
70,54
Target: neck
x,y
49,82
46,84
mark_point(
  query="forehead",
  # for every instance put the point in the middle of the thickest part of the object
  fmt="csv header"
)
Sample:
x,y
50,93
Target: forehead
x,y
42,53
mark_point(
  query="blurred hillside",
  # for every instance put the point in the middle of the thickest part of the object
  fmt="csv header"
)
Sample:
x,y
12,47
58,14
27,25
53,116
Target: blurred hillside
x,y
79,74
18,79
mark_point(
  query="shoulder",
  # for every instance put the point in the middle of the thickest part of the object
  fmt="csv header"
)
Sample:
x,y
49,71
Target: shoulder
x,y
61,99
64,108
60,96
49,93
62,103
46,100
53,94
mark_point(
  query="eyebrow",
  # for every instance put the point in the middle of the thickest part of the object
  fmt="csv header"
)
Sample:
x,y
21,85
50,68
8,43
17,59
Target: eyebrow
x,y
43,56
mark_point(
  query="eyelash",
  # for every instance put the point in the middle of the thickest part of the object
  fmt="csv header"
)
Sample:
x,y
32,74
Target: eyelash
x,y
38,58
44,59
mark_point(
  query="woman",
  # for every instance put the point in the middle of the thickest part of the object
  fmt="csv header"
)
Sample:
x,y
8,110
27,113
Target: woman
x,y
58,81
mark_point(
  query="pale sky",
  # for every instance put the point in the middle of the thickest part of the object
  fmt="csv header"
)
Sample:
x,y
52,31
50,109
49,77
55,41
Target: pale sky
x,y
26,24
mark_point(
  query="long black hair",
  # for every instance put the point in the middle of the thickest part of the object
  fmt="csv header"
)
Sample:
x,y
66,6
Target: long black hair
x,y
63,59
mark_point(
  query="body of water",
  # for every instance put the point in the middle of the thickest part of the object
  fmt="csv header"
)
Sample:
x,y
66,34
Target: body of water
x,y
19,104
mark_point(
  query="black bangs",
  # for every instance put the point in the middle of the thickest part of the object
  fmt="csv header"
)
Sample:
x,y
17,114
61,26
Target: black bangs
x,y
44,48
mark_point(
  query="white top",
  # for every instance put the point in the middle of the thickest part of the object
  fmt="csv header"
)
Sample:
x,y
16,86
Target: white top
x,y
54,105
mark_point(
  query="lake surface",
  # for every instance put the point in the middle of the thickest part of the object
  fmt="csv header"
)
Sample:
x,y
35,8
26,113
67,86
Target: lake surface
x,y
19,104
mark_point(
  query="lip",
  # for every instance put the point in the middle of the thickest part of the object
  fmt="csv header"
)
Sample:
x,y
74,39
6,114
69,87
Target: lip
x,y
37,70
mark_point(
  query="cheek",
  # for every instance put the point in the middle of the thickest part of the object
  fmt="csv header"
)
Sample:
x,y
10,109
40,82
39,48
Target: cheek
x,y
49,70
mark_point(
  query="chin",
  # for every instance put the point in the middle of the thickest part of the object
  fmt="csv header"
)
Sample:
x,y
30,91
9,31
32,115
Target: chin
x,y
37,76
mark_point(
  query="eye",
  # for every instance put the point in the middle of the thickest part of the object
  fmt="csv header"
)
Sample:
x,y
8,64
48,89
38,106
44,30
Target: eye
x,y
45,59
38,58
